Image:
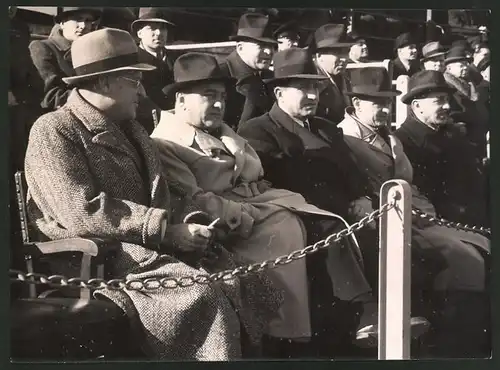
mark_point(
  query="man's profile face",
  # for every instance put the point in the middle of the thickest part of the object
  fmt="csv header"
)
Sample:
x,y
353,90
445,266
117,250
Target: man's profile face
x,y
204,104
408,52
257,55
435,64
434,108
373,111
333,61
77,24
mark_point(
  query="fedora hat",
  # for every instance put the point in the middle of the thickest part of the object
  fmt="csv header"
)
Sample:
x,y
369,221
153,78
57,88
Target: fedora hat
x,y
289,30
432,49
424,82
102,52
69,10
403,40
293,63
331,36
254,27
372,82
195,68
146,15
456,54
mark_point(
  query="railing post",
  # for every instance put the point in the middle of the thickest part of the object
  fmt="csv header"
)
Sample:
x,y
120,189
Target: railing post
x,y
395,272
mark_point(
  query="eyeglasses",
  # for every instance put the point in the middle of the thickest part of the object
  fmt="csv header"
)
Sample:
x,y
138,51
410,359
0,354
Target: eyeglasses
x,y
137,83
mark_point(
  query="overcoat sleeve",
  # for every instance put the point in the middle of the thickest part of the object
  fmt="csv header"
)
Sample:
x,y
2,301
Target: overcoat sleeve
x,y
63,187
56,92
236,215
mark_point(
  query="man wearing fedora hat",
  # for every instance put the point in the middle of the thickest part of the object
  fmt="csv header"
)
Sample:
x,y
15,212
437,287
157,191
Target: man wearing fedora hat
x,y
406,62
52,57
223,173
433,56
101,177
468,104
445,165
330,47
249,64
358,53
287,35
447,263
152,29
305,153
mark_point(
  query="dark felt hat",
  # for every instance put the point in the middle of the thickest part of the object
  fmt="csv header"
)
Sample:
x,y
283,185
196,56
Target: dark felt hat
x,y
293,63
150,15
254,27
330,36
71,10
289,29
194,68
456,54
371,82
432,49
424,82
403,40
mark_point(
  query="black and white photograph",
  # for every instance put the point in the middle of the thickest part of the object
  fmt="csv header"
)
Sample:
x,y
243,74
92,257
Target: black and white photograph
x,y
226,184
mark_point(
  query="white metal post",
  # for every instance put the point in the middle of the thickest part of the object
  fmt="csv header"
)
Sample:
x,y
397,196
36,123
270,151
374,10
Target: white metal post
x,y
395,273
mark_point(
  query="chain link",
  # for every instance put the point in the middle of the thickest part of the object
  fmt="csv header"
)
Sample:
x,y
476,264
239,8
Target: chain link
x,y
188,281
450,224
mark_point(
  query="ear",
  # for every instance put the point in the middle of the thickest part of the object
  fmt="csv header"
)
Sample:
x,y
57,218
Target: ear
x,y
415,104
355,101
139,32
278,91
239,46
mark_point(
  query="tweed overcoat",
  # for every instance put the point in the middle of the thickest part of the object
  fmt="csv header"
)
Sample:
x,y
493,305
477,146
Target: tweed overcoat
x,y
452,258
225,178
97,179
52,59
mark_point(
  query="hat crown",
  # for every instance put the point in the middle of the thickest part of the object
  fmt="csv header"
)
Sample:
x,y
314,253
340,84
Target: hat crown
x,y
151,12
431,48
292,61
330,31
196,66
403,40
253,25
458,52
101,45
431,79
370,80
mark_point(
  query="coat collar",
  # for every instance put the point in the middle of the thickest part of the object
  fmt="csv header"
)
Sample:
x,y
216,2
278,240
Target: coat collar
x,y
420,133
237,67
60,42
351,126
107,133
459,84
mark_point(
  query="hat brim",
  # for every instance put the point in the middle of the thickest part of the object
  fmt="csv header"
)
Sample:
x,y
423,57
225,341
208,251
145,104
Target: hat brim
x,y
425,59
150,20
176,86
276,80
376,94
95,12
142,67
340,45
266,40
456,59
419,90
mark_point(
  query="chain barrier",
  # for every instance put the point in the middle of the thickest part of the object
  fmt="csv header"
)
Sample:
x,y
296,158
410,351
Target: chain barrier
x,y
187,281
450,224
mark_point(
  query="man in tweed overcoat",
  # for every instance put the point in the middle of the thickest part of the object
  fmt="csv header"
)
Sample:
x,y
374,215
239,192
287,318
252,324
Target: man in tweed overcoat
x,y
100,177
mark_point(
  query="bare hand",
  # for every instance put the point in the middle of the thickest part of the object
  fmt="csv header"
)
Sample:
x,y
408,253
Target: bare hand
x,y
188,237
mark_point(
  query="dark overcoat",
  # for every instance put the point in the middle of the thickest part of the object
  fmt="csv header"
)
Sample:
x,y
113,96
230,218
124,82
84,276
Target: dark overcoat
x,y
398,69
251,97
52,59
154,81
447,170
333,99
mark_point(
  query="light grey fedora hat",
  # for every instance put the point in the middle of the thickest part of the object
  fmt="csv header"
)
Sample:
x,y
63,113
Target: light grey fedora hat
x,y
103,52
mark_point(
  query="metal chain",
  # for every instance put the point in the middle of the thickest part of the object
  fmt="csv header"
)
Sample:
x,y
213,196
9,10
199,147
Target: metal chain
x,y
187,281
450,224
